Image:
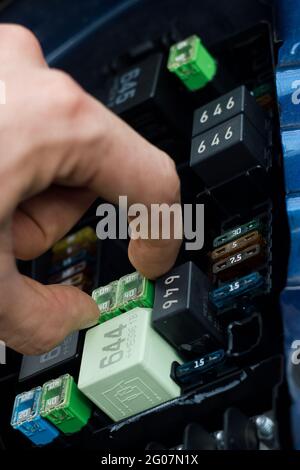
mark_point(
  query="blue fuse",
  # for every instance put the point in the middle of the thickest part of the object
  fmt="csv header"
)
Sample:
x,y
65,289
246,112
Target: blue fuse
x,y
26,418
223,296
190,371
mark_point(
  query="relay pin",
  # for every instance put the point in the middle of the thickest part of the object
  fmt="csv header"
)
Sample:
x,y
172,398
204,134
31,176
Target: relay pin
x,y
64,405
249,285
27,419
192,63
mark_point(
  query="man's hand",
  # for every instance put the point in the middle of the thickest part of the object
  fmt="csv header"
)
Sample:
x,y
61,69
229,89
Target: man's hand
x,y
60,149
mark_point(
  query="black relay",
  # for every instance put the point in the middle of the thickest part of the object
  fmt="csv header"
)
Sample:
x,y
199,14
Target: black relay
x,y
226,107
227,150
146,96
181,312
228,137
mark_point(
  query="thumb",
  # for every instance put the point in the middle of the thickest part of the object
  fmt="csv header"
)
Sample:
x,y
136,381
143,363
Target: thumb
x,y
42,316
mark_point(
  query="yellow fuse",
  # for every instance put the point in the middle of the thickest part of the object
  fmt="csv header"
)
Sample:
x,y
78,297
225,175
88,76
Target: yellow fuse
x,y
84,238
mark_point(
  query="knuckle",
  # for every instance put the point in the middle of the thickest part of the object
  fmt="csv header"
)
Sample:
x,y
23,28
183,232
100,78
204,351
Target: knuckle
x,y
70,98
19,36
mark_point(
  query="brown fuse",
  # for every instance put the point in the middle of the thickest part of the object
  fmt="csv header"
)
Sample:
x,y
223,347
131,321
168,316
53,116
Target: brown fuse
x,y
230,248
239,263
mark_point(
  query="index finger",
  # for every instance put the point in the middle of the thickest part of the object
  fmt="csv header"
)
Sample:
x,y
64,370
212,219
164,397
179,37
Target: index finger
x,y
101,152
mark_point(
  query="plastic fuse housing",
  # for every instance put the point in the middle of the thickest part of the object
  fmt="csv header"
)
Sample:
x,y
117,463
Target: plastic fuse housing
x,y
132,290
192,63
64,405
27,419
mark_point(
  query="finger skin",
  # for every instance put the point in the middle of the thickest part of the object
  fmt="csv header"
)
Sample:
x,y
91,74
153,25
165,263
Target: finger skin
x,y
19,44
44,219
57,141
42,316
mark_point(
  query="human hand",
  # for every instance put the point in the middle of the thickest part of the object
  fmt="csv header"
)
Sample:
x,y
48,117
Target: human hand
x,y
60,149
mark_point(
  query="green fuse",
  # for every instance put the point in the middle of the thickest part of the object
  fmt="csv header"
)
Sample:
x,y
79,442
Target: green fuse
x,y
134,290
237,232
64,405
106,299
192,63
